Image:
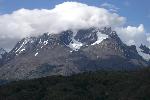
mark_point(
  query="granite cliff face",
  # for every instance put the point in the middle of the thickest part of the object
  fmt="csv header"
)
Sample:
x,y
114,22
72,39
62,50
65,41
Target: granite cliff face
x,y
69,53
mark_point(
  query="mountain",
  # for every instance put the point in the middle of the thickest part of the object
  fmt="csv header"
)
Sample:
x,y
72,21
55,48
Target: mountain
x,y
69,53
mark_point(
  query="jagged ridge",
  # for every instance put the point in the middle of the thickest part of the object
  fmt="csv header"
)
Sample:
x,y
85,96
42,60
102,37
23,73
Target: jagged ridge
x,y
68,53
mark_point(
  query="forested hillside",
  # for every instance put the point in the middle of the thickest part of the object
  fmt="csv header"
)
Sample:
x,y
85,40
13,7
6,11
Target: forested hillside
x,y
102,85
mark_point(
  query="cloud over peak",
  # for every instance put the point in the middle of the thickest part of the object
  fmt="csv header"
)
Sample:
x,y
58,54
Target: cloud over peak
x,y
68,15
132,35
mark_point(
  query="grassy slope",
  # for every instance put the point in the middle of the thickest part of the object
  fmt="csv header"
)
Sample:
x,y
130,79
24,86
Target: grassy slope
x,y
87,86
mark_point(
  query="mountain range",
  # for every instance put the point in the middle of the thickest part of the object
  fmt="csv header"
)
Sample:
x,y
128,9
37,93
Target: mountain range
x,y
71,52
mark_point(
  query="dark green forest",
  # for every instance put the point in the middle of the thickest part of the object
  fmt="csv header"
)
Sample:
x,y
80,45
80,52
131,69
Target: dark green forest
x,y
100,85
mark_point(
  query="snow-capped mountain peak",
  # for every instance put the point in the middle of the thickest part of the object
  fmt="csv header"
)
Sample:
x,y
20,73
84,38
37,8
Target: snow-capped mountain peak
x,y
74,41
70,52
90,36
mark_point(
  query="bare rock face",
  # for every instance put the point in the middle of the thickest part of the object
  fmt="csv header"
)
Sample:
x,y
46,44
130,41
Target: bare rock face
x,y
87,37
145,49
2,55
69,53
2,52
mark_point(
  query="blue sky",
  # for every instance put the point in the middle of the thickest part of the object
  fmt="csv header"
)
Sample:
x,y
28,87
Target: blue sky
x,y
136,11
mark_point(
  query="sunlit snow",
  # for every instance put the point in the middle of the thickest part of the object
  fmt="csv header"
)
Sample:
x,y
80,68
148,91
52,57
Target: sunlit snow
x,y
36,54
101,37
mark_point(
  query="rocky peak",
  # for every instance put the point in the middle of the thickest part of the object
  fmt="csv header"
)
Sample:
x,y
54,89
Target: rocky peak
x,y
66,37
83,37
86,36
68,52
106,30
111,34
145,49
25,44
2,52
133,48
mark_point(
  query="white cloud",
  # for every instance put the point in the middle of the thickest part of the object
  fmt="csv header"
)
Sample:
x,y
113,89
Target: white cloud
x,y
68,15
110,7
132,35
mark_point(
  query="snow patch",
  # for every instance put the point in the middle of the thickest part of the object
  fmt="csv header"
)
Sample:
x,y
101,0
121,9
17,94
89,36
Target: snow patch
x,y
144,55
46,42
40,42
36,54
21,48
101,37
75,45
